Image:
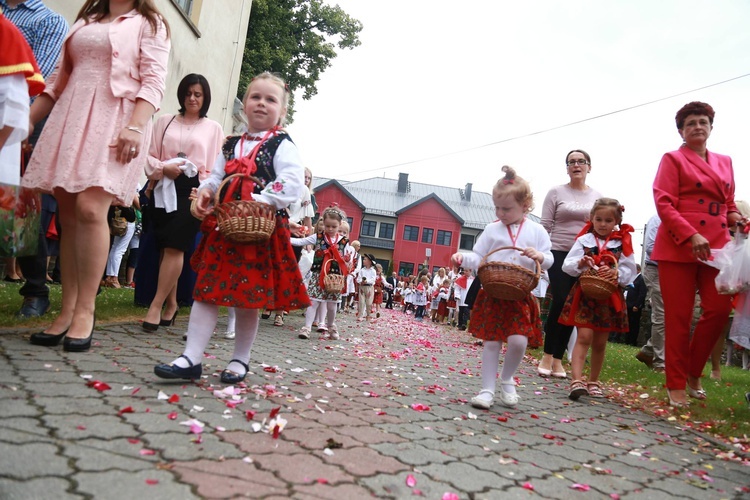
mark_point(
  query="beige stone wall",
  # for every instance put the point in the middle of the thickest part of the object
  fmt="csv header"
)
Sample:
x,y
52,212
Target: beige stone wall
x,y
210,43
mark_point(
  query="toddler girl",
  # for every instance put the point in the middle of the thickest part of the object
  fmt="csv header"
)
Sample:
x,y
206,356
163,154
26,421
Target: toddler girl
x,y
517,323
595,319
245,276
379,286
419,298
331,251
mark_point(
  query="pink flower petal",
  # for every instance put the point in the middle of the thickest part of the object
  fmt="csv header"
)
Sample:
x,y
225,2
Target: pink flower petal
x,y
528,486
450,496
133,440
411,481
249,415
152,481
135,391
145,451
174,398
420,407
98,385
172,416
276,431
580,487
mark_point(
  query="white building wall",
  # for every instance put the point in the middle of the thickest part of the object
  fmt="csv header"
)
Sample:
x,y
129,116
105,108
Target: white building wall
x,y
210,43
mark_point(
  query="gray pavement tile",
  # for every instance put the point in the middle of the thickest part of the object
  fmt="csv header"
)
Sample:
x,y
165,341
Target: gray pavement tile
x,y
37,489
505,466
89,456
32,460
412,453
395,485
80,405
464,477
184,446
102,426
125,485
31,426
230,479
18,407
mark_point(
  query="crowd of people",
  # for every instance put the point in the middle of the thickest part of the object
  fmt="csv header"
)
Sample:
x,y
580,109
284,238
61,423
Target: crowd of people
x,y
99,139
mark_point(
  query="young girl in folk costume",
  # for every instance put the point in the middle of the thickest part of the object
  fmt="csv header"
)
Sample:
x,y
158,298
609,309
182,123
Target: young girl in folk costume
x,y
407,295
331,251
444,293
347,299
419,297
595,319
378,286
247,277
516,323
323,311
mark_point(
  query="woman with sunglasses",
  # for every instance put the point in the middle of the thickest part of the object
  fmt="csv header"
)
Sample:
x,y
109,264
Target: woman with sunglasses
x,y
564,212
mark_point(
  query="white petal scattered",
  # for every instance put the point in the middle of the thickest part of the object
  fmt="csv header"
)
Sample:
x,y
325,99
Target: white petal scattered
x,y
85,376
127,387
247,460
297,370
472,416
162,395
256,426
321,410
196,408
47,365
644,396
329,385
328,452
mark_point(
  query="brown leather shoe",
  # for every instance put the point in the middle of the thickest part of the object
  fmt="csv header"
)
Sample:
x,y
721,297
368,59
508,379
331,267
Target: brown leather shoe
x,y
645,359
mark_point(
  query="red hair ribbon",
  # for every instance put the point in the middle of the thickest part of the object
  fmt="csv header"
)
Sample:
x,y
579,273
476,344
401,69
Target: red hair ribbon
x,y
508,181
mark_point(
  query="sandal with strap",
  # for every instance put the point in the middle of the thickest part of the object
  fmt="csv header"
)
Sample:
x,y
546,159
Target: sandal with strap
x,y
278,321
230,377
577,389
595,389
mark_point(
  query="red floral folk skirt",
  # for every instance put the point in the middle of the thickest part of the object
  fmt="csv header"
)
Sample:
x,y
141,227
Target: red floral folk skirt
x,y
600,315
248,276
496,320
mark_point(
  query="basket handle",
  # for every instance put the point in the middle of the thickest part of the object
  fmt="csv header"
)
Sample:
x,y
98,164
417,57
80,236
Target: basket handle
x,y
612,258
538,265
227,179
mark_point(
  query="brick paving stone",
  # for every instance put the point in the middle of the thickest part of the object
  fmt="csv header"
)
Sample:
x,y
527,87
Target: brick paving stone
x,y
126,485
42,488
360,461
43,401
229,479
33,460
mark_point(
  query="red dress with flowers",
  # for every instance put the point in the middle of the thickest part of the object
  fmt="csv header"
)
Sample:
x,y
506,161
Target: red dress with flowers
x,y
600,315
495,320
377,297
249,276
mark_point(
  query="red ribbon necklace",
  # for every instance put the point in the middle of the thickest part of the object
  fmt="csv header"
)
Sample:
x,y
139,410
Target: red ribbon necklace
x,y
245,165
513,239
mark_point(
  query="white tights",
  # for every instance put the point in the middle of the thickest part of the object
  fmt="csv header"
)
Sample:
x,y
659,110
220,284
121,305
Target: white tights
x,y
491,357
321,310
203,318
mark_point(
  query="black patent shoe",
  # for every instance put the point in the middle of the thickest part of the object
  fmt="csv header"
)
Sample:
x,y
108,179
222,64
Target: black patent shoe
x,y
47,339
149,327
192,372
229,377
79,345
168,322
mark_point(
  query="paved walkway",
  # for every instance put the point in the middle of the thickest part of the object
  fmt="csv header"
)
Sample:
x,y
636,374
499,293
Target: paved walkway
x,y
380,413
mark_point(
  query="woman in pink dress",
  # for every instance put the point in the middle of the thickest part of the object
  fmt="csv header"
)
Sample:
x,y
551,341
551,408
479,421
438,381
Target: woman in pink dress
x,y
106,88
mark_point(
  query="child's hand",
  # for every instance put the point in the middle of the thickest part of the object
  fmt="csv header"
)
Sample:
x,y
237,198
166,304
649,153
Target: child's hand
x,y
457,259
586,261
606,272
534,254
203,205
296,229
193,194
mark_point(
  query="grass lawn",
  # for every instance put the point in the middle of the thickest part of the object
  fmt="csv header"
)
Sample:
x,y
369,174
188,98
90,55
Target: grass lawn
x,y
111,305
725,414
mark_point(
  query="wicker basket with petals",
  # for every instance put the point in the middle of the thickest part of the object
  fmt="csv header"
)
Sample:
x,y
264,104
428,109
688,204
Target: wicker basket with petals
x,y
506,281
333,283
596,287
244,221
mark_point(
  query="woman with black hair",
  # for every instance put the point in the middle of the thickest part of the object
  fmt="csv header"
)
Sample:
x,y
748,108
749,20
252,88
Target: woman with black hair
x,y
183,150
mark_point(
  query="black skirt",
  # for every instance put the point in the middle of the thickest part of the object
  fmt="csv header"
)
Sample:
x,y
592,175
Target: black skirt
x,y
177,229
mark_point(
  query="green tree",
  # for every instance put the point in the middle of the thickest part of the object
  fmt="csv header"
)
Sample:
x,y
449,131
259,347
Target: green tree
x,y
296,39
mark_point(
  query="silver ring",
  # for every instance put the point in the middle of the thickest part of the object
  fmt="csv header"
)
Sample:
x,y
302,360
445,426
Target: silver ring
x,y
132,150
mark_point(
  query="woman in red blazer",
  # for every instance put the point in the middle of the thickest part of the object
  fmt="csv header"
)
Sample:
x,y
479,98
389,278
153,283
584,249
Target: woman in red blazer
x,y
694,195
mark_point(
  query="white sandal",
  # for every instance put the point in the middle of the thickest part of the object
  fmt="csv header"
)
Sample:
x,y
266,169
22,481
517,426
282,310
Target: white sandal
x,y
509,399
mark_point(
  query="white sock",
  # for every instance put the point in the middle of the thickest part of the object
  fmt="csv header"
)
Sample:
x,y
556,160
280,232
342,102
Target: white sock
x,y
512,359
321,317
202,322
490,360
247,328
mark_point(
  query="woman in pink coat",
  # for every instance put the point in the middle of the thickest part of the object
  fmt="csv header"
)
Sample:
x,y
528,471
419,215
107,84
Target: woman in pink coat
x,y
107,86
694,195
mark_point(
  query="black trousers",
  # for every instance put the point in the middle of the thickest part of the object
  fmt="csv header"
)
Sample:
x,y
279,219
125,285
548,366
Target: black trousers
x,y
557,336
